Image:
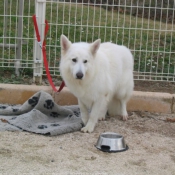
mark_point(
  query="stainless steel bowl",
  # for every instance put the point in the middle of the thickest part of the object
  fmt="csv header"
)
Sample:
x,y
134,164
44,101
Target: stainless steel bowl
x,y
111,142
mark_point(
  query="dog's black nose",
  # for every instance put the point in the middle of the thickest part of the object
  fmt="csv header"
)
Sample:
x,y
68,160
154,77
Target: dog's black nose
x,y
79,75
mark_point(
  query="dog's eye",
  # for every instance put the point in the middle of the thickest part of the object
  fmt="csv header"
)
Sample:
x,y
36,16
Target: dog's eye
x,y
85,61
74,60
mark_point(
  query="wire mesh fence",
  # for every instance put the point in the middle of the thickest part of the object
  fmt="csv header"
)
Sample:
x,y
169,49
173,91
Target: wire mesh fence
x,y
146,27
16,34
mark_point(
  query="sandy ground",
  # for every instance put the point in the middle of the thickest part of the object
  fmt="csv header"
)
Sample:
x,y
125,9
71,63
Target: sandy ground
x,y
151,141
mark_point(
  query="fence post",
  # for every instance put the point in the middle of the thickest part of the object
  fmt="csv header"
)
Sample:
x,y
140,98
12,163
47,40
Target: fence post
x,y
19,40
40,8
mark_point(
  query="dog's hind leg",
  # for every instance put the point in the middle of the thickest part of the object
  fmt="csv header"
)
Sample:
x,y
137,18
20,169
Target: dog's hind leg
x,y
123,111
102,116
124,98
114,107
118,107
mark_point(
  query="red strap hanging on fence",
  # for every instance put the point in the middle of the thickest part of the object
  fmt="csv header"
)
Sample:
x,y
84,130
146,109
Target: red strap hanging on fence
x,y
43,47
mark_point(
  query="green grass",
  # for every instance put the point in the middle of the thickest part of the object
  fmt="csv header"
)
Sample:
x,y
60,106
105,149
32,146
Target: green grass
x,y
150,41
136,33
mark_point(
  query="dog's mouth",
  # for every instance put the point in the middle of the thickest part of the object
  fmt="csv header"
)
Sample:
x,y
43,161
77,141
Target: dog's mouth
x,y
79,78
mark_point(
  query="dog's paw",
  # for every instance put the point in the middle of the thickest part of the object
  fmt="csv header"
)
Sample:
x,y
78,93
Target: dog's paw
x,y
85,129
125,117
101,118
88,128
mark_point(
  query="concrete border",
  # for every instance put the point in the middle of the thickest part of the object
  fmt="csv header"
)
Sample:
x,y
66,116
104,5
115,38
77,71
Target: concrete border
x,y
140,101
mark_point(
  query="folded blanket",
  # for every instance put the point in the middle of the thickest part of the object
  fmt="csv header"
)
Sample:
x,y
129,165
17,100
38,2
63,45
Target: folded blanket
x,y
41,115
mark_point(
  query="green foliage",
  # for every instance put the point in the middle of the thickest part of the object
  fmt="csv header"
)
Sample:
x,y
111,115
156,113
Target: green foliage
x,y
151,42
10,78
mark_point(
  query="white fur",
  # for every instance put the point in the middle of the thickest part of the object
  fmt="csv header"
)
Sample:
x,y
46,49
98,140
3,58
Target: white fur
x,y
106,82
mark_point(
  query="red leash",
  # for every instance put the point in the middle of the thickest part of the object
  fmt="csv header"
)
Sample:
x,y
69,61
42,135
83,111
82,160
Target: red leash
x,y
43,47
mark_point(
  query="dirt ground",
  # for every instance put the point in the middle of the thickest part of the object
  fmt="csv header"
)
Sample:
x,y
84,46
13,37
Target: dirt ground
x,y
150,137
151,86
151,141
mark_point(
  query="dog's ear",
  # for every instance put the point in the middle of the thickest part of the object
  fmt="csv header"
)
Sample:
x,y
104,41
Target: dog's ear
x,y
65,44
95,46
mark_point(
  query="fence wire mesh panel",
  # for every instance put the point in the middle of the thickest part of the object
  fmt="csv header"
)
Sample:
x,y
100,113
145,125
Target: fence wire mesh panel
x,y
16,35
146,27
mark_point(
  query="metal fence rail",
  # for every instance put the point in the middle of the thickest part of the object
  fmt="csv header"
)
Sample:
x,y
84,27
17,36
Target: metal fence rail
x,y
146,27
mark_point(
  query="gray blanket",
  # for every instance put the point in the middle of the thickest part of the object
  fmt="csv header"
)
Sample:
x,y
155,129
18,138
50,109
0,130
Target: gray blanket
x,y
40,115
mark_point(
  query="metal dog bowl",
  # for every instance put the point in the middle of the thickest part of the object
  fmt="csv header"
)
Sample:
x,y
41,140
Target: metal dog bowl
x,y
111,142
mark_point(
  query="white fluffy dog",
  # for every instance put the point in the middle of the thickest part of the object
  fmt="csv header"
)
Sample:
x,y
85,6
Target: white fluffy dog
x,y
100,76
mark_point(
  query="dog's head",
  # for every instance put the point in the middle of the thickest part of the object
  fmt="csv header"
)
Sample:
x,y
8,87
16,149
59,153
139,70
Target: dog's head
x,y
78,57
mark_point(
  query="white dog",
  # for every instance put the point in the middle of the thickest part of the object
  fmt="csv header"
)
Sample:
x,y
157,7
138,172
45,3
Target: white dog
x,y
100,76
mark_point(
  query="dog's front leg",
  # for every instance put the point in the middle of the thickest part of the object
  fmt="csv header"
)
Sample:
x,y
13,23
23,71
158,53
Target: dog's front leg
x,y
99,110
84,112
